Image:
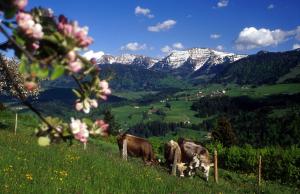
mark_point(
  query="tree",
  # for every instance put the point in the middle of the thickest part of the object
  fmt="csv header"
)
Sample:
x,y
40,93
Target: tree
x,y
168,105
109,118
224,132
47,47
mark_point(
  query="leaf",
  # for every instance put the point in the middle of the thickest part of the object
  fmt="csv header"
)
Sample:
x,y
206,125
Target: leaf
x,y
44,141
87,121
10,13
43,73
77,93
58,71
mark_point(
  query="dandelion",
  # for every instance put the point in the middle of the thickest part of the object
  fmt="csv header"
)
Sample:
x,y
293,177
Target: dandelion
x,y
29,176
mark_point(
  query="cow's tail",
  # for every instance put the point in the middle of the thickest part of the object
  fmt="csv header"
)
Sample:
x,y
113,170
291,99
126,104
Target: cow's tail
x,y
124,149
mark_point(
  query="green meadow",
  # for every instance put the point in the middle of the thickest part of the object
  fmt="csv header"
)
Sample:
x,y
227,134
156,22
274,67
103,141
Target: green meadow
x,y
28,168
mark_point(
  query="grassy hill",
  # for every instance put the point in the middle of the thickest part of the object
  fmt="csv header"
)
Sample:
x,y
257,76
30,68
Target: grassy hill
x,y
27,168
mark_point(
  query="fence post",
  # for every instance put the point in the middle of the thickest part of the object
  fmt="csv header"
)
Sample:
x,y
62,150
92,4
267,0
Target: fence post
x,y
124,150
16,123
259,174
216,166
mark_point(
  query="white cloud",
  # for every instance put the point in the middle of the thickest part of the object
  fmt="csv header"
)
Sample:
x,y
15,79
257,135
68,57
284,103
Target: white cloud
x,y
175,46
271,6
222,3
220,47
91,54
296,46
162,26
250,37
166,49
143,11
134,46
178,45
215,36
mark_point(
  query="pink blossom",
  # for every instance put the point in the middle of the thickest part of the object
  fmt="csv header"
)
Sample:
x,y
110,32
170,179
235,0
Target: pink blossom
x,y
71,55
93,103
102,128
35,45
78,106
75,66
73,30
79,129
86,105
30,28
105,90
30,86
21,4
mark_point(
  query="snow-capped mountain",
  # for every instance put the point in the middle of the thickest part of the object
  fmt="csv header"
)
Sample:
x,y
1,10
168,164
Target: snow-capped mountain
x,y
128,59
196,58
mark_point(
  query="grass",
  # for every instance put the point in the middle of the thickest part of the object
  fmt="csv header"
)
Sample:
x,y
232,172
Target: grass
x,y
180,111
27,168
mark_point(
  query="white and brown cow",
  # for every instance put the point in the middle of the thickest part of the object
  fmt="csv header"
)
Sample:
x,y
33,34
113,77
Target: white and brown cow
x,y
136,146
195,155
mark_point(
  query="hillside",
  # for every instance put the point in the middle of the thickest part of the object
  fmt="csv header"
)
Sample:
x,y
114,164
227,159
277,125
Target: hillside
x,y
261,68
28,168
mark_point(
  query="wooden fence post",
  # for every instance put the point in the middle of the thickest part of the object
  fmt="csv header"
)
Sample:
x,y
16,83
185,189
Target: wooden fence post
x,y
216,166
124,150
16,123
259,174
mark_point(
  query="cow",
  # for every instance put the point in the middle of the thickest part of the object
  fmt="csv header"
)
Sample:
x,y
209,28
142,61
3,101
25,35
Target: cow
x,y
172,154
136,146
195,155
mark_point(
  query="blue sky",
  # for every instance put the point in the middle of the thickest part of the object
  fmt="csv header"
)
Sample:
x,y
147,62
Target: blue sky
x,y
240,26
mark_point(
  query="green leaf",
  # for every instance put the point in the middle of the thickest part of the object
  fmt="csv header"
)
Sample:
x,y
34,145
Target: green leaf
x,y
58,71
77,93
43,73
87,121
10,13
44,141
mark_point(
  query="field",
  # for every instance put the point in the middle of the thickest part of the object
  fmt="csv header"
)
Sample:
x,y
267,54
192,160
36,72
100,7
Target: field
x,y
27,168
179,112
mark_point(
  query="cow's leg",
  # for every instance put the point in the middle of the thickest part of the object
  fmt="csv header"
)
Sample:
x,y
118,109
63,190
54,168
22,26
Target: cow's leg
x,y
207,173
124,150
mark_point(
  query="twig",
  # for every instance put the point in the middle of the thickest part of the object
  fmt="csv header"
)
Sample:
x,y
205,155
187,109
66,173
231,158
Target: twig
x,y
31,58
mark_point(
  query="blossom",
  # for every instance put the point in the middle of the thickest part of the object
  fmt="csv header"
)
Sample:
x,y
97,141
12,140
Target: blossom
x,y
79,129
71,55
101,128
105,90
30,86
86,105
21,4
73,30
75,66
29,26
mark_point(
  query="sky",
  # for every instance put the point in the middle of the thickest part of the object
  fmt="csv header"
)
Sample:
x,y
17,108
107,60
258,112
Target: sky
x,y
156,27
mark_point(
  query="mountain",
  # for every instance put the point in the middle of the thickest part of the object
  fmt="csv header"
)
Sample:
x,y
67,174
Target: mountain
x,y
128,59
195,58
263,68
189,60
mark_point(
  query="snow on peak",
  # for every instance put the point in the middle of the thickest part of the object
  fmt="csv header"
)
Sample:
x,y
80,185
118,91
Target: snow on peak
x,y
199,57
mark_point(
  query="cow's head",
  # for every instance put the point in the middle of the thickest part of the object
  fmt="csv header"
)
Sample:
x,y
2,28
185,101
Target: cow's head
x,y
181,168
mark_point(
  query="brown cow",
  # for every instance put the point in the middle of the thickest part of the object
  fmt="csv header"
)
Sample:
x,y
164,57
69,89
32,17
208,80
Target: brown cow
x,y
195,155
172,155
136,146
